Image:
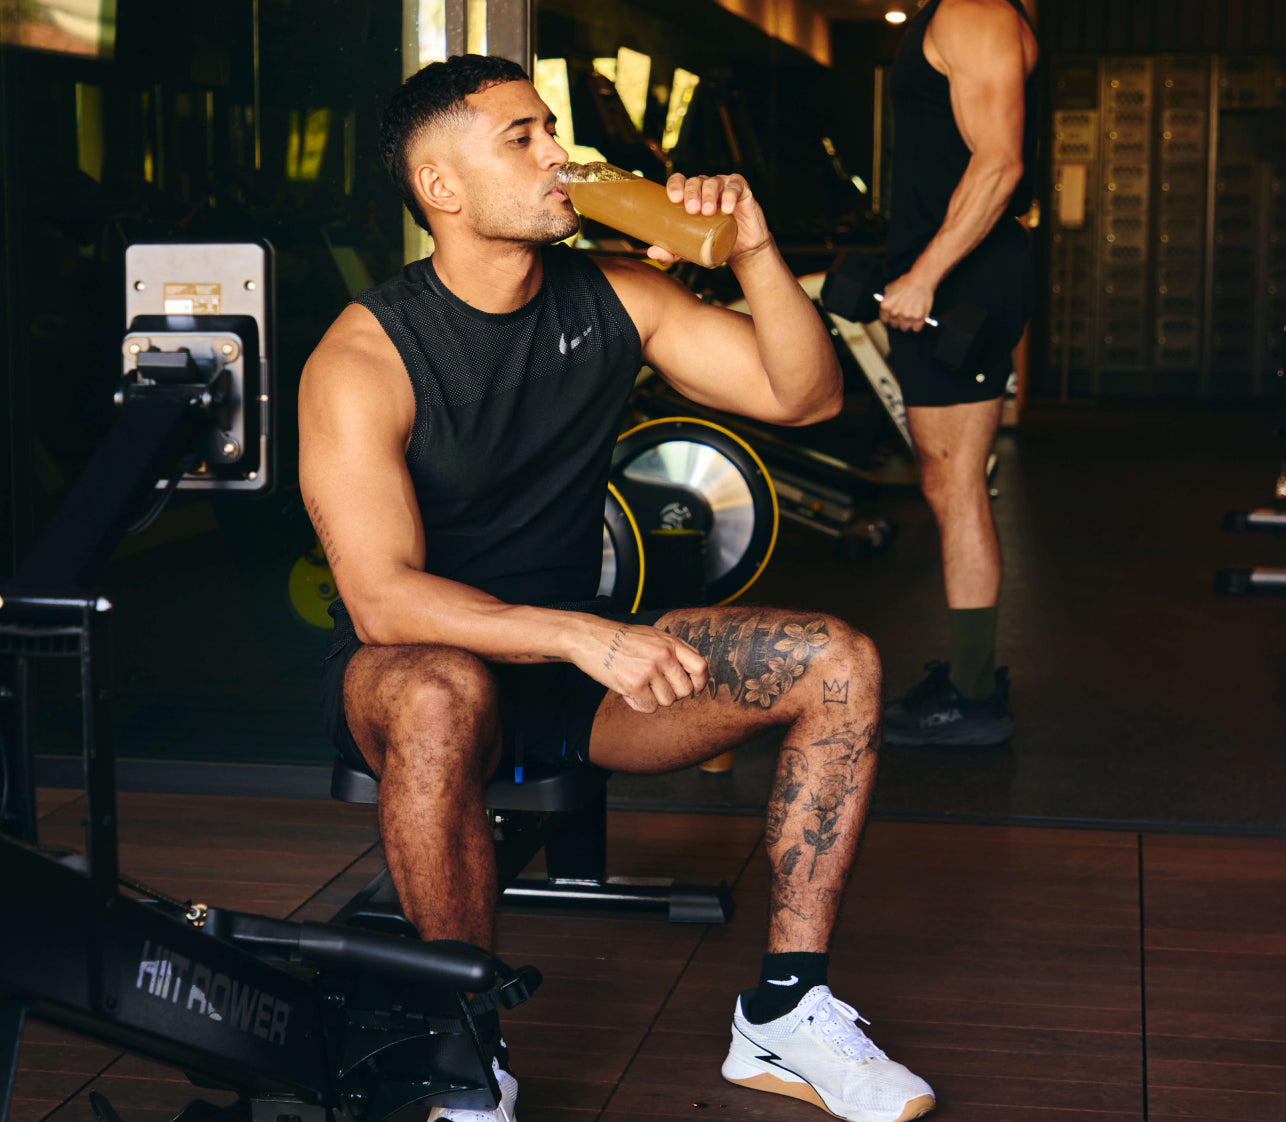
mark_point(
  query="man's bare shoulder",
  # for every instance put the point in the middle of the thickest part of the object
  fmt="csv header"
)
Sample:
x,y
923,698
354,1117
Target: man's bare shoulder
x,y
964,32
631,273
357,363
646,291
355,356
1000,11
355,339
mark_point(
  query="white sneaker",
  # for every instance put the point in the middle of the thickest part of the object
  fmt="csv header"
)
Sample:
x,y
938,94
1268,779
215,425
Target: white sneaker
x,y
817,1053
507,1111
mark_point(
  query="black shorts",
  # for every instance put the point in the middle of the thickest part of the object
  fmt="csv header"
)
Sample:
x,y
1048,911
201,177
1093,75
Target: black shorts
x,y
546,711
998,277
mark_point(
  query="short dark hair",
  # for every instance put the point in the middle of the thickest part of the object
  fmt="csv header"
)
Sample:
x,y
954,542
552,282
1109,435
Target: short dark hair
x,y
434,94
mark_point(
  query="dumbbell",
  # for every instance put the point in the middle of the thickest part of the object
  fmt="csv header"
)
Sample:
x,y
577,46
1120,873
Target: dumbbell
x,y
852,290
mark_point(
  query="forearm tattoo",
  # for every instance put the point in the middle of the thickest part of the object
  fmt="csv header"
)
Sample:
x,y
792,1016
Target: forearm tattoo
x,y
756,658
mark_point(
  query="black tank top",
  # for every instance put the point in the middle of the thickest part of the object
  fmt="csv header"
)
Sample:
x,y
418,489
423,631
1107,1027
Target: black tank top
x,y
929,154
516,415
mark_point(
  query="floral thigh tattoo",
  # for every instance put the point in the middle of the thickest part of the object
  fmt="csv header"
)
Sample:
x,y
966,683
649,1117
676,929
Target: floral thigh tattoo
x,y
757,658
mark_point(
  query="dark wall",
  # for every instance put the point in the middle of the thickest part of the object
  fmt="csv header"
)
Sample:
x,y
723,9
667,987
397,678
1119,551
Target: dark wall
x,y
1157,26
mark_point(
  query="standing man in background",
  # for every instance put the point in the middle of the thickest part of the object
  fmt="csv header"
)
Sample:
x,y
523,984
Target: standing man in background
x,y
964,98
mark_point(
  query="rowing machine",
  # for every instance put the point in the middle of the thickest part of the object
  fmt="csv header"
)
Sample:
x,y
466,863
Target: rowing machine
x,y
303,1021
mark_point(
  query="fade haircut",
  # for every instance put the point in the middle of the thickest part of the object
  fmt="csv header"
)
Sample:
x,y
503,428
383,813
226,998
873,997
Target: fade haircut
x,y
434,95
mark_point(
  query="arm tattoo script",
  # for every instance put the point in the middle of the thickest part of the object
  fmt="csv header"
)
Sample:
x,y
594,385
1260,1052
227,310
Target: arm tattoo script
x,y
615,645
756,658
323,533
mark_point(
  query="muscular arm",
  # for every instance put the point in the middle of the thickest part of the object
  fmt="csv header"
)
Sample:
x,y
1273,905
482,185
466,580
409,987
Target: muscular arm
x,y
355,414
776,364
983,47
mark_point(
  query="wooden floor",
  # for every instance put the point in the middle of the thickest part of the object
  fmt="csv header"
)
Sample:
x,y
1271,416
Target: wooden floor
x,y
1028,974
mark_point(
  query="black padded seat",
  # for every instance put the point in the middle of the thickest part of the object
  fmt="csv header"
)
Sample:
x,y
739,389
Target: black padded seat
x,y
565,812
562,789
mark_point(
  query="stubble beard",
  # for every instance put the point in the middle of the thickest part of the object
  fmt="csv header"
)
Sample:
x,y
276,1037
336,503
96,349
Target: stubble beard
x,y
498,220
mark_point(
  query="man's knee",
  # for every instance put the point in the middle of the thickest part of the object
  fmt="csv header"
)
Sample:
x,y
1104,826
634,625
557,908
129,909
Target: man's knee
x,y
850,665
439,697
949,483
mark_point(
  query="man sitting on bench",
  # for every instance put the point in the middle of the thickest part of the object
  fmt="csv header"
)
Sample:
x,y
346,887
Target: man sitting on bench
x,y
456,430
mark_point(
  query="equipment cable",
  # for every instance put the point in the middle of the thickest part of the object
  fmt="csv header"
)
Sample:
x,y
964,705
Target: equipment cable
x,y
158,504
193,913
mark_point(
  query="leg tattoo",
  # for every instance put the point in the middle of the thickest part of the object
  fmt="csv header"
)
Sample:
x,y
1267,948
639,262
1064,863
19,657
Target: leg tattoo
x,y
838,782
811,801
792,771
756,658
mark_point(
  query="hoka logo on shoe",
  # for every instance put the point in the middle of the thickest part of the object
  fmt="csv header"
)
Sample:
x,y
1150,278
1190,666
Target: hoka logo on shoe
x,y
936,720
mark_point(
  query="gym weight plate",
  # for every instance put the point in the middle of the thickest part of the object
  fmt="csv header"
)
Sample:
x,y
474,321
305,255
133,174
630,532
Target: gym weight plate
x,y
730,495
622,574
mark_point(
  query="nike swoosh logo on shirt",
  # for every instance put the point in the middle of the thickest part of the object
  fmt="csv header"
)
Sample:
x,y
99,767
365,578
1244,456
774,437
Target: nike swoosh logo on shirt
x,y
788,982
564,346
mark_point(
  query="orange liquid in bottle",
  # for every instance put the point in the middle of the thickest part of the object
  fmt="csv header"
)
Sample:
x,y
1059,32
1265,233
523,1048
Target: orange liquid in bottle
x,y
642,209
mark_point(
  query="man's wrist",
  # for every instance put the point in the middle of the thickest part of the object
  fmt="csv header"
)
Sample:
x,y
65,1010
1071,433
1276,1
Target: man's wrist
x,y
764,250
923,274
572,633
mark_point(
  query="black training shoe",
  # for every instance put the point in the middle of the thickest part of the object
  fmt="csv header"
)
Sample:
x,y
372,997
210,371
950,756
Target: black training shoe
x,y
935,712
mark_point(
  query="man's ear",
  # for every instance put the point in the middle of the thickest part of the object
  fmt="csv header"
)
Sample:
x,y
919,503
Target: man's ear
x,y
435,189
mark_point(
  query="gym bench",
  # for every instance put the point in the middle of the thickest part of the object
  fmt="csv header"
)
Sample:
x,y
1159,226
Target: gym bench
x,y
563,811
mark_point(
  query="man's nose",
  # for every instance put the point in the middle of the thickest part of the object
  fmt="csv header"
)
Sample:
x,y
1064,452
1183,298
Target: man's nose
x,y
554,153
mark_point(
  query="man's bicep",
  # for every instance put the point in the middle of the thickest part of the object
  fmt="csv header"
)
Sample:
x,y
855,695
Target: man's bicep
x,y
987,80
710,355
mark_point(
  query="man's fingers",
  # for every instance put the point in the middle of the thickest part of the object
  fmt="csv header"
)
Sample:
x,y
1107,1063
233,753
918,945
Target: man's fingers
x,y
712,194
664,693
693,663
679,681
733,191
707,194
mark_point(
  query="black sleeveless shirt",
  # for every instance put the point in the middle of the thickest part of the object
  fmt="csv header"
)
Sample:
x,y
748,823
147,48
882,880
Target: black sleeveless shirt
x,y
929,154
516,415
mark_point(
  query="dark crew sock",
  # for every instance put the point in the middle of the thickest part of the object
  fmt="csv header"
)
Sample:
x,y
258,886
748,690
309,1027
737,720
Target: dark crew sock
x,y
973,651
783,980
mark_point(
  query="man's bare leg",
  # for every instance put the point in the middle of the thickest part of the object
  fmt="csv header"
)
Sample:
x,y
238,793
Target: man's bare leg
x,y
425,719
768,668
821,680
953,443
969,705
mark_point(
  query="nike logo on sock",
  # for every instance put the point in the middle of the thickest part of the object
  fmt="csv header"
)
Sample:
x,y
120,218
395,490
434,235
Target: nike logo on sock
x,y
788,982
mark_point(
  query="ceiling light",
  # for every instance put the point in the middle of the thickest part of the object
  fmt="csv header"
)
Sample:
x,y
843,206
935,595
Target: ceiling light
x,y
895,15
